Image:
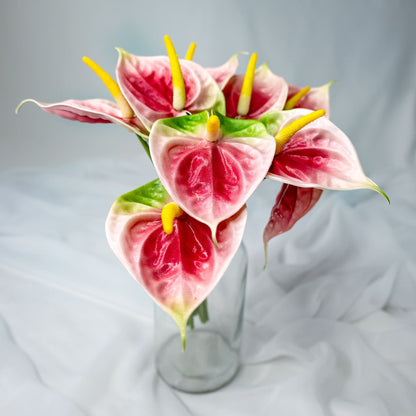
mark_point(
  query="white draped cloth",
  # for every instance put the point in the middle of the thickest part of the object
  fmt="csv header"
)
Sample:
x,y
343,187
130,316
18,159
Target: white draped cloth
x,y
329,326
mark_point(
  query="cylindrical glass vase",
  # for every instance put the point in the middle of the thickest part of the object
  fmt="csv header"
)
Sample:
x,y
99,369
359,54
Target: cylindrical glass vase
x,y
212,355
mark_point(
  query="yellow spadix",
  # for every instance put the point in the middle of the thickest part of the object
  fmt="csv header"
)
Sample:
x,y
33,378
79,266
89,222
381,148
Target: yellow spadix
x,y
169,213
179,97
287,132
191,50
243,106
123,105
213,128
291,103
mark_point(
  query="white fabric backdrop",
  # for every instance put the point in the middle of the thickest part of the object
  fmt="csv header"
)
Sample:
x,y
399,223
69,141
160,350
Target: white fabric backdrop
x,y
330,326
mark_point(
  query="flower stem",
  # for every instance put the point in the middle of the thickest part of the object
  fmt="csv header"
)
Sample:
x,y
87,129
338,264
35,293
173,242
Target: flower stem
x,y
190,322
202,312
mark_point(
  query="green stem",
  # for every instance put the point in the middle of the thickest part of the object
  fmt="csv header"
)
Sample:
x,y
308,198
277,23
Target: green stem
x,y
190,322
202,312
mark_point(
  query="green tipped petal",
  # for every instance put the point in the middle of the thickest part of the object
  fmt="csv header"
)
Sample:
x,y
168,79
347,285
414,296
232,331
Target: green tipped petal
x,y
153,194
376,188
178,283
210,180
274,120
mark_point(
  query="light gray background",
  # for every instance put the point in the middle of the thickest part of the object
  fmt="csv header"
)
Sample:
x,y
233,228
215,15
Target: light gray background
x,y
368,46
329,327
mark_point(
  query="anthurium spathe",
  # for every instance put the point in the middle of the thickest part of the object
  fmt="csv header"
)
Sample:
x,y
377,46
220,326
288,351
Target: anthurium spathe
x,y
210,165
98,110
269,93
292,203
319,155
146,82
177,263
315,99
91,111
223,73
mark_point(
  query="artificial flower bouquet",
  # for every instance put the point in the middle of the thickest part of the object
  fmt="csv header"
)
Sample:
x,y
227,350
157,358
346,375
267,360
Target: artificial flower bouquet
x,y
213,136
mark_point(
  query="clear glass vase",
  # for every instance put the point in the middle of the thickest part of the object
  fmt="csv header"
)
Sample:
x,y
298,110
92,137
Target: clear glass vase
x,y
212,355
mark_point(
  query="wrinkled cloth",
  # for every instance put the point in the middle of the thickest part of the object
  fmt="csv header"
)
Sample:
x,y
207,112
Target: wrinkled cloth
x,y
329,325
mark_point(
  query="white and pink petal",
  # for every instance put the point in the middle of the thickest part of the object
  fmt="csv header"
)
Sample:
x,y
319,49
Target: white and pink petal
x,y
177,270
290,206
91,111
269,93
320,155
146,83
317,98
210,180
223,73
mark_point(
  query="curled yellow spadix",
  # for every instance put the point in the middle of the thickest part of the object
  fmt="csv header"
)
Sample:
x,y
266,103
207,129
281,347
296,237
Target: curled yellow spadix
x,y
179,97
243,106
291,103
169,213
123,105
191,50
287,132
213,129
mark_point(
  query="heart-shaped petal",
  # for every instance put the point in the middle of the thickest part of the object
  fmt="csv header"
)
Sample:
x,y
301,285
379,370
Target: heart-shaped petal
x,y
223,73
177,270
317,98
91,111
290,206
210,180
319,155
269,93
146,82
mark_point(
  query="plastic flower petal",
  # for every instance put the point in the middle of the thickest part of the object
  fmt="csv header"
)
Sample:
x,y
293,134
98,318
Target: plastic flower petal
x,y
146,82
269,93
223,73
319,155
91,111
290,206
210,173
317,98
178,269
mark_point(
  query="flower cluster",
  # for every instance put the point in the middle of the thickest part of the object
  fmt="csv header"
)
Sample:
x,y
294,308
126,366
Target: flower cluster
x,y
213,136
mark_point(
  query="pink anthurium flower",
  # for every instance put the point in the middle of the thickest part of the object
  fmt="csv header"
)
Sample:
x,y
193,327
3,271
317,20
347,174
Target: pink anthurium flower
x,y
319,155
269,93
91,111
292,203
210,165
147,84
172,256
223,73
315,99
